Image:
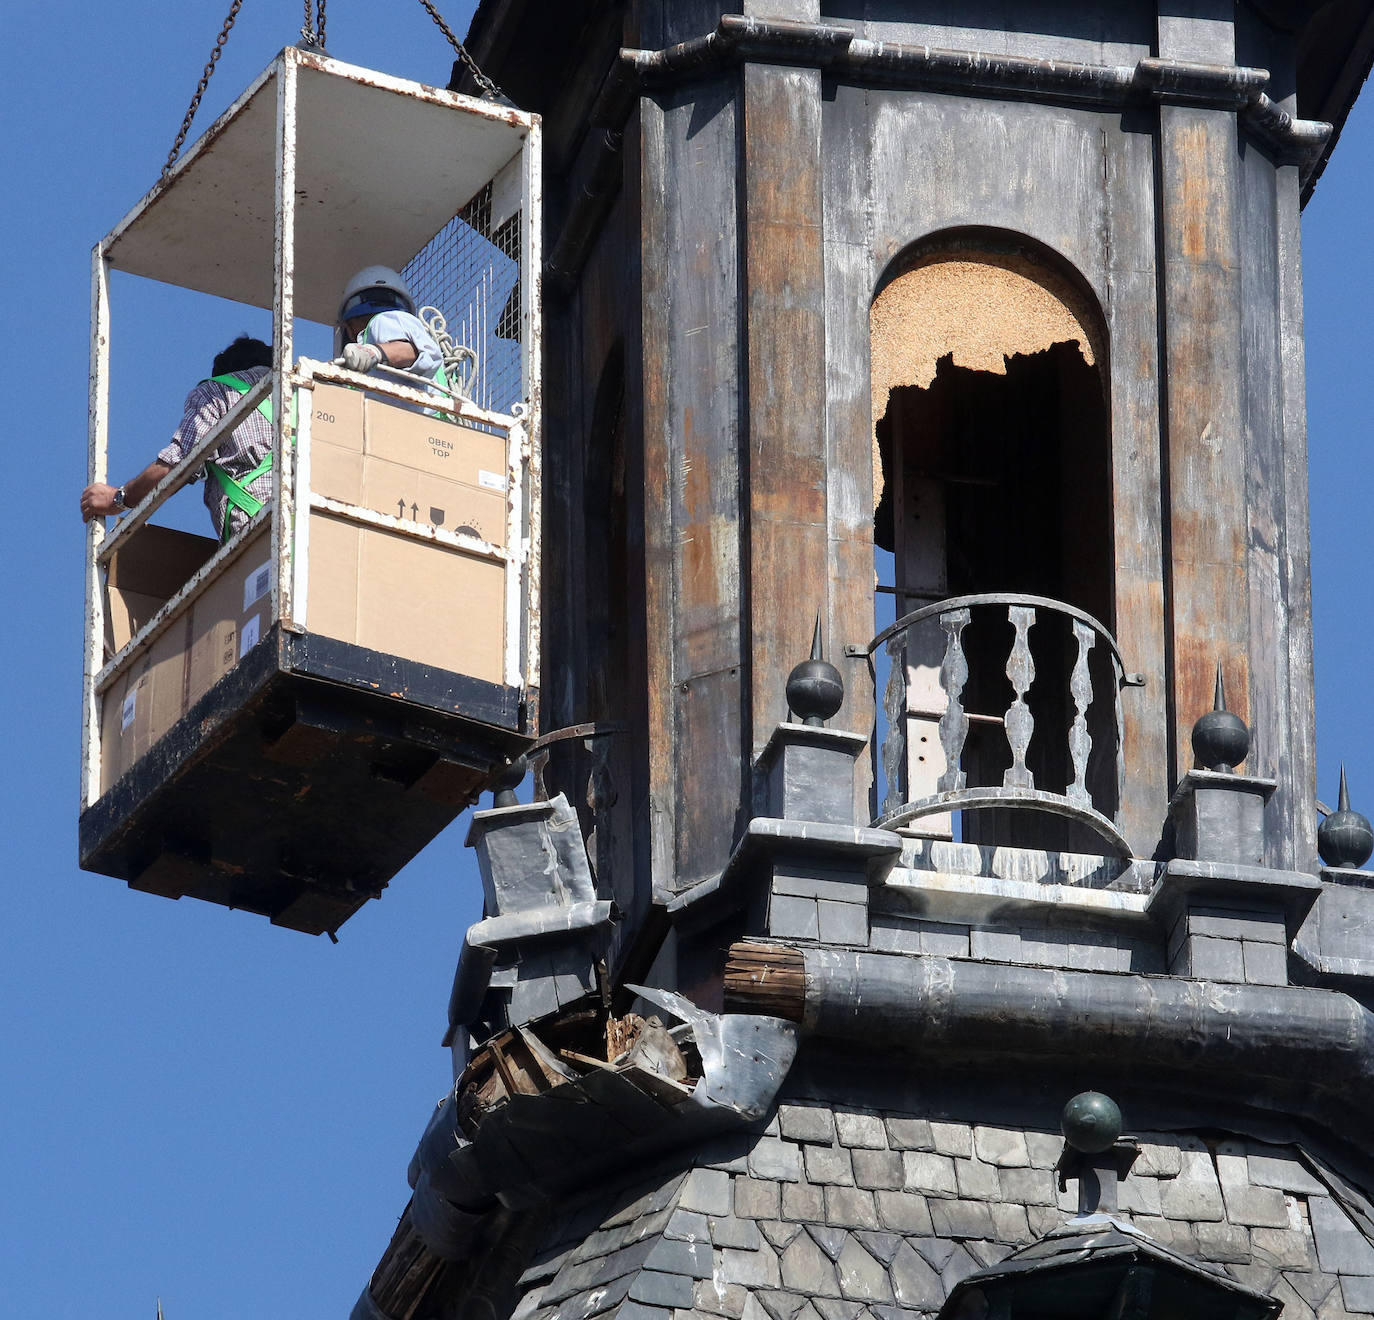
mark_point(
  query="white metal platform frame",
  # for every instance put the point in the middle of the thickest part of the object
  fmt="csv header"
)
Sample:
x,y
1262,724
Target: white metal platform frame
x,y
338,203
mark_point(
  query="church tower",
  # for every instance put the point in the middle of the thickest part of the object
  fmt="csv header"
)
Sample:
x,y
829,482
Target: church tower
x,y
983,961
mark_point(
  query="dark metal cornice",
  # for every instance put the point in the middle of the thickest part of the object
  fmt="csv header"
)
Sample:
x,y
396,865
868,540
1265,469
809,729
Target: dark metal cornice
x,y
843,54
1313,1048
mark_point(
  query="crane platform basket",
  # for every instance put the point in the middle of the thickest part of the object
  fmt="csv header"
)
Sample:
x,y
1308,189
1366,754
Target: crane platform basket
x,y
280,720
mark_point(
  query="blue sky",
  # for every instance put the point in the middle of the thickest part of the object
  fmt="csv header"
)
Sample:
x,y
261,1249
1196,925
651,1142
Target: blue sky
x,y
196,1104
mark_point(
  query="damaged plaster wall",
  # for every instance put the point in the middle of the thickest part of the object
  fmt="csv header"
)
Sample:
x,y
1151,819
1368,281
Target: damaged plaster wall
x,y
979,309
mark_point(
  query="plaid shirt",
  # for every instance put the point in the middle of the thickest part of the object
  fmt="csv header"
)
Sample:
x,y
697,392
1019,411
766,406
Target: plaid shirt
x,y
239,453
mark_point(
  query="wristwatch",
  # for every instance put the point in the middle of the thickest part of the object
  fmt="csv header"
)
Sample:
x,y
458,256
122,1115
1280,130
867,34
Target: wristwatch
x,y
119,499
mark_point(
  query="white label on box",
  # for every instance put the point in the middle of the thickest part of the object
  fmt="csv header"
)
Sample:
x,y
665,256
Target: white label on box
x,y
491,480
256,585
126,711
249,638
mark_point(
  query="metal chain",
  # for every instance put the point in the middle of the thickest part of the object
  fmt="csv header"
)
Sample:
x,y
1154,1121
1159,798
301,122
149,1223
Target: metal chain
x,y
489,88
313,30
201,86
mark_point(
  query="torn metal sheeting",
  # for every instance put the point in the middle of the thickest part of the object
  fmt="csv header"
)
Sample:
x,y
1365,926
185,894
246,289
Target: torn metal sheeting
x,y
525,1147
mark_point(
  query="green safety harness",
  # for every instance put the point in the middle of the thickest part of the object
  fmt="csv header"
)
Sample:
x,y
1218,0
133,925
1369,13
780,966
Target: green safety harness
x,y
236,489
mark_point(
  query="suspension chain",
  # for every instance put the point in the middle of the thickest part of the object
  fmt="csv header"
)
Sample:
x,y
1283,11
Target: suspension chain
x,y
201,86
313,30
489,88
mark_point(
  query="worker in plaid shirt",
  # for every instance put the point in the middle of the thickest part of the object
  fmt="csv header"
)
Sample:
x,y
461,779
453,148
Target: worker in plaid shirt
x,y
238,478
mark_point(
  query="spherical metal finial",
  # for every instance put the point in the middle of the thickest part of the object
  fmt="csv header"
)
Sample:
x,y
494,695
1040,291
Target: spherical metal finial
x,y
1091,1122
815,690
507,780
1220,739
1345,838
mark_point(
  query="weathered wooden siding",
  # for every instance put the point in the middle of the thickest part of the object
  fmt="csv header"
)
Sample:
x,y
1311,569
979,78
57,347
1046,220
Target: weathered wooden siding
x,y
784,305
902,168
691,353
1204,425
772,200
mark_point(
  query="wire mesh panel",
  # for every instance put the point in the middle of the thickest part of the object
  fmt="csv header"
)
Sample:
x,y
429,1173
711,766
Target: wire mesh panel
x,y
470,272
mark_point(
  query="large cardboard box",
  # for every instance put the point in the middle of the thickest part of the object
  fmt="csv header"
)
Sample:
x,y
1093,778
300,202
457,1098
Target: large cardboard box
x,y
201,642
389,460
144,574
387,591
142,704
407,597
439,448
230,616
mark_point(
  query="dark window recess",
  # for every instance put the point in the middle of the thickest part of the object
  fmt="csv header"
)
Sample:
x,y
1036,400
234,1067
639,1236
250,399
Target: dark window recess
x,y
999,483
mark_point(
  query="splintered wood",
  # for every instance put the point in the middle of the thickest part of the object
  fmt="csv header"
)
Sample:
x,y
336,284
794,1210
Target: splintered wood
x,y
769,979
520,1062
406,1274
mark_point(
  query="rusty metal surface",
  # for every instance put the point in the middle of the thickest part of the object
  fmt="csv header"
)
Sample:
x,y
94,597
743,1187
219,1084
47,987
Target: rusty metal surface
x,y
97,423
434,147
283,332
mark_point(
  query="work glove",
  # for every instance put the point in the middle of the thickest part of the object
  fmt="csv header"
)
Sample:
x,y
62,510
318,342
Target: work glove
x,y
361,357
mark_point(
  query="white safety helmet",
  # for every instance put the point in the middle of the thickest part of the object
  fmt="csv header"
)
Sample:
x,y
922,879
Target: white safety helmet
x,y
375,289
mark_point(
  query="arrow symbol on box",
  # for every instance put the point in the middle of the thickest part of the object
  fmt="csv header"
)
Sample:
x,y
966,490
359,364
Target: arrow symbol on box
x,y
415,512
400,508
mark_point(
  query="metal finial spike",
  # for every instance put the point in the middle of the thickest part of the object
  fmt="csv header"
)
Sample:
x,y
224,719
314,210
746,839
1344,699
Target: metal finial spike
x,y
815,688
1345,838
1220,739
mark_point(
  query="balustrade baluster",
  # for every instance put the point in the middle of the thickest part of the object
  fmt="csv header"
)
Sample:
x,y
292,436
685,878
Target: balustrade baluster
x,y
894,709
1080,740
1020,723
953,676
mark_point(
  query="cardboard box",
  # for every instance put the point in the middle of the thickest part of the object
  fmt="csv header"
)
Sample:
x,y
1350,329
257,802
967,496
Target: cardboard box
x,y
425,498
144,574
386,591
404,464
201,643
441,448
229,617
336,416
407,597
142,704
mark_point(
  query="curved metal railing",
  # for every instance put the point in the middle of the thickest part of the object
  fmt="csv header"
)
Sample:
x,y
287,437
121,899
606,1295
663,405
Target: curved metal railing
x,y
925,748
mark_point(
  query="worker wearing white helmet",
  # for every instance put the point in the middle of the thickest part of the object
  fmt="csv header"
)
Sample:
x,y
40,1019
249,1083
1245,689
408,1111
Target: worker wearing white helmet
x,y
378,326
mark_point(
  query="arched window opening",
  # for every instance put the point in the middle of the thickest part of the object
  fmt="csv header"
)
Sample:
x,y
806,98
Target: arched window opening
x,y
992,475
